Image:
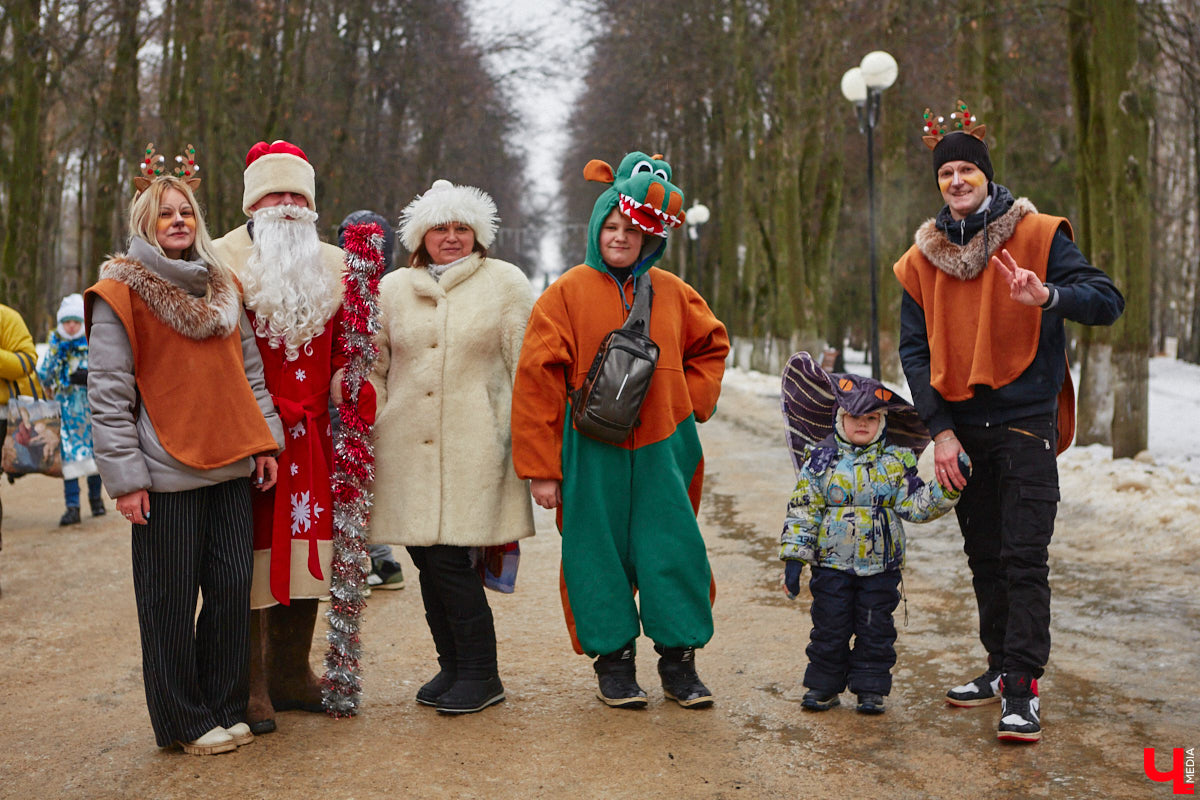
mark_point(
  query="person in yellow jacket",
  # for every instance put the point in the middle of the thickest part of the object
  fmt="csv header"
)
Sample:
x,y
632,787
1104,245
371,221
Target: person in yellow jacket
x,y
18,357
627,512
18,360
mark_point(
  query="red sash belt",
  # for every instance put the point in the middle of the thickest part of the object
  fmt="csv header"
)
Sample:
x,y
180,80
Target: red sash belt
x,y
308,455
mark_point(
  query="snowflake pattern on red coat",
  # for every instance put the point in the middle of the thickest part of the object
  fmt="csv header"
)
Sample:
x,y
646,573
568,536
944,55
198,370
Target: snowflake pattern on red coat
x,y
298,507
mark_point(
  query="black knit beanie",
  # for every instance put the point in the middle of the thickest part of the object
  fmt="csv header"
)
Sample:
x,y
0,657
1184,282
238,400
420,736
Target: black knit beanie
x,y
959,146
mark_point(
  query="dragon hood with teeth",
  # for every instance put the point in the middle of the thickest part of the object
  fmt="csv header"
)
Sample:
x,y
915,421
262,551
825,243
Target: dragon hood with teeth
x,y
642,188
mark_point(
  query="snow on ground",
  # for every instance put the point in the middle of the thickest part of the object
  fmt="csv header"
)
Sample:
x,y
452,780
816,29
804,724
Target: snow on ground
x,y
1112,510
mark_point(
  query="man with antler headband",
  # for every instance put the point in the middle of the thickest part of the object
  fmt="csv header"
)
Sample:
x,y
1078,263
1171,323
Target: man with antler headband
x,y
292,286
987,286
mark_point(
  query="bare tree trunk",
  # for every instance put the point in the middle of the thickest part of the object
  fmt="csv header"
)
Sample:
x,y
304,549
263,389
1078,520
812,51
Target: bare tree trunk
x,y
117,119
19,265
1112,97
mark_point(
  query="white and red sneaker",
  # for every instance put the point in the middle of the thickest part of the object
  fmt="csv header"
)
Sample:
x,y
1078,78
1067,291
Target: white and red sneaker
x,y
1020,711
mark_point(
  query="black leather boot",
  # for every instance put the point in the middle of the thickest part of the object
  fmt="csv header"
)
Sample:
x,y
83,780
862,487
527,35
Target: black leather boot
x,y
469,695
443,641
70,516
477,681
677,668
616,673
97,504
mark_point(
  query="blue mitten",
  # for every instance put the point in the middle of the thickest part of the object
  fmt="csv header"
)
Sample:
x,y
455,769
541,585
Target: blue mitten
x,y
791,578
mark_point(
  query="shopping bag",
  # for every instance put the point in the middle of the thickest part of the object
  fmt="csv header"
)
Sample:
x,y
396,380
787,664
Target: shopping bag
x,y
497,566
32,441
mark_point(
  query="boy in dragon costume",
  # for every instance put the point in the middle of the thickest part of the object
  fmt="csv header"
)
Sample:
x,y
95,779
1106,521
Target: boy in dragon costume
x,y
627,512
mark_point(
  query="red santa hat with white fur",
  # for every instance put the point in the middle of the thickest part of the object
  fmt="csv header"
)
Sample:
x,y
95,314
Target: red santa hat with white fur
x,y
278,167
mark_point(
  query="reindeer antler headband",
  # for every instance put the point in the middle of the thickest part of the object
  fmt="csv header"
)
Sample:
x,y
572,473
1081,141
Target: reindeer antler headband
x,y
961,119
153,166
946,146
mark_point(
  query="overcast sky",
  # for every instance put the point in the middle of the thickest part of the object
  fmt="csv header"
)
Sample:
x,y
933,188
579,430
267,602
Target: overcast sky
x,y
543,103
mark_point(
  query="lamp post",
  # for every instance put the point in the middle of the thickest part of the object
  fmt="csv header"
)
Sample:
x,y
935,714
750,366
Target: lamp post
x,y
696,216
864,85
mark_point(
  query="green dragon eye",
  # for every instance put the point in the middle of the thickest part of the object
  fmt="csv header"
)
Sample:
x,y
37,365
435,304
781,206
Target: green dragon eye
x,y
642,166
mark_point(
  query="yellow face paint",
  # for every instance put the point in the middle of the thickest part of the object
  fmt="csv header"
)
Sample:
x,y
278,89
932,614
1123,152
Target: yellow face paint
x,y
974,178
166,221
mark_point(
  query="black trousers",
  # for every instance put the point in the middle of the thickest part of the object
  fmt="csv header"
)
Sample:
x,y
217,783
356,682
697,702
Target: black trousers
x,y
845,605
195,669
1006,515
457,611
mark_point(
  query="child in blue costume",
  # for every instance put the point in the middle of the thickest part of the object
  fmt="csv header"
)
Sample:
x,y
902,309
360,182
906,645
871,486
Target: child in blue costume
x,y
627,511
855,485
64,370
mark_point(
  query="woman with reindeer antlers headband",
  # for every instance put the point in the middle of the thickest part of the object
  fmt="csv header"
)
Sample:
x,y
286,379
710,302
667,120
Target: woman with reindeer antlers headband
x,y
986,289
182,424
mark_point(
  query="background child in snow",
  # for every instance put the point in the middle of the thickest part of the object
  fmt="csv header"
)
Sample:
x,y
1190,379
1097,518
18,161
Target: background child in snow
x,y
855,485
64,370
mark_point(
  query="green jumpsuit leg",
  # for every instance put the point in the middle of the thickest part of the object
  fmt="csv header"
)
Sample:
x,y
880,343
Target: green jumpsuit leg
x,y
627,521
595,542
666,547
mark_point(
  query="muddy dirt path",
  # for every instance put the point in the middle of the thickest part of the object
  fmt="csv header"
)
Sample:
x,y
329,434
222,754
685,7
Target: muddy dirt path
x,y
1126,661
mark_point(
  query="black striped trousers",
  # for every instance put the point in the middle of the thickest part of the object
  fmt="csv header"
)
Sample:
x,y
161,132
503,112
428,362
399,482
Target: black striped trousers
x,y
195,668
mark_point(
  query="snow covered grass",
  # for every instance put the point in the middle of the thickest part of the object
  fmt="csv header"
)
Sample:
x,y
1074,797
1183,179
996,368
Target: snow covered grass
x,y
1113,511
1174,432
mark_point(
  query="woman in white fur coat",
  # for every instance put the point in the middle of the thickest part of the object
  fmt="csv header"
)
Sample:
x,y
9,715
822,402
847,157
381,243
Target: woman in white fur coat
x,y
452,326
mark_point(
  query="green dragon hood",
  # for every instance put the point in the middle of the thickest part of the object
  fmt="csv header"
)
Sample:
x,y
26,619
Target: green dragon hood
x,y
642,188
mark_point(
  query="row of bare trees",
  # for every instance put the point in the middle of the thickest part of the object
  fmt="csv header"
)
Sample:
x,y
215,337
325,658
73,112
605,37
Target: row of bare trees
x,y
383,95
743,97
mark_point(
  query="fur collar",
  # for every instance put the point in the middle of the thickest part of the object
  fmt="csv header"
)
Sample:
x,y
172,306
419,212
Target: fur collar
x,y
426,285
966,262
194,317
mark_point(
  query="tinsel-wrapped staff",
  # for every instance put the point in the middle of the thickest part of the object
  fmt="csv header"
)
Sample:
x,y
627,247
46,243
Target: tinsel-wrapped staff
x,y
354,470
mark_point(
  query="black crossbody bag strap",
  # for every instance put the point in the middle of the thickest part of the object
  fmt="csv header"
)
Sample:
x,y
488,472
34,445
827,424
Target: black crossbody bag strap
x,y
643,298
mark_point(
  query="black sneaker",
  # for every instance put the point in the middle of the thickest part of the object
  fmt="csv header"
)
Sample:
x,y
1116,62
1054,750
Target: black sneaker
x,y
979,692
817,700
469,695
428,694
1021,717
677,669
870,703
616,674
385,574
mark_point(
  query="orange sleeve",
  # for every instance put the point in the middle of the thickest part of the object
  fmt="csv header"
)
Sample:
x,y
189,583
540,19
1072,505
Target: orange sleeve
x,y
540,390
706,344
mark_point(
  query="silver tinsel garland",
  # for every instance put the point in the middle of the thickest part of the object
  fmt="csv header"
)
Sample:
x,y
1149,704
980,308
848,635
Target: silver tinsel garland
x,y
354,471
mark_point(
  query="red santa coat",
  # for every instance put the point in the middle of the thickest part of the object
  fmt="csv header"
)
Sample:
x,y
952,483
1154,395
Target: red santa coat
x,y
293,521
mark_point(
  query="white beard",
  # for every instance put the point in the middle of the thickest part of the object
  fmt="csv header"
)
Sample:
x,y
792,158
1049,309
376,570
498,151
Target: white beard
x,y
291,293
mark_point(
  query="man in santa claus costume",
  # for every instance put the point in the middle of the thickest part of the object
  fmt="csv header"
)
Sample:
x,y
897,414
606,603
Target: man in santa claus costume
x,y
292,289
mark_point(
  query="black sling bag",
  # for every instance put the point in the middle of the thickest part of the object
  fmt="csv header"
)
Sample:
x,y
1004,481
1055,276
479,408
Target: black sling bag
x,y
606,407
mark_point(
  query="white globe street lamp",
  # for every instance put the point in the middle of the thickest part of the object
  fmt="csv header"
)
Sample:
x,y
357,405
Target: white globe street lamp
x,y
696,216
854,87
863,85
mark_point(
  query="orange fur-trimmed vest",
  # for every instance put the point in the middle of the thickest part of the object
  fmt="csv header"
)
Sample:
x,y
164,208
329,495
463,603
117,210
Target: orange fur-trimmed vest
x,y
187,356
979,335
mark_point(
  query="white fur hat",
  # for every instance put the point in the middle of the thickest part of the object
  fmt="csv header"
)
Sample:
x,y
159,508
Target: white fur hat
x,y
278,167
444,202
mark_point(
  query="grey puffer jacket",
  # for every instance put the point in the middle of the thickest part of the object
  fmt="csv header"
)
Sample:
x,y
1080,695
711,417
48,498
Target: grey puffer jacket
x,y
128,452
